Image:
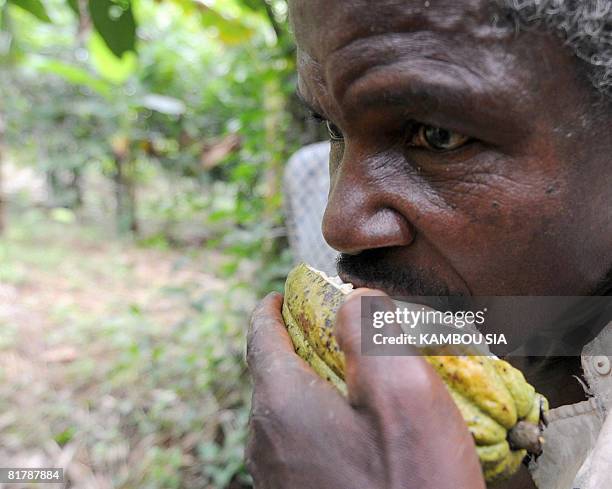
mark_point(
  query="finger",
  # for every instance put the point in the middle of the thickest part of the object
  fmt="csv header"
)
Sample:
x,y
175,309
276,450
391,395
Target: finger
x,y
372,379
268,342
271,358
285,388
267,321
407,400
375,300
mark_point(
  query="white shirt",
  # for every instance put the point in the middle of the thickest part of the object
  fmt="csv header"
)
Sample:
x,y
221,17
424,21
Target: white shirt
x,y
578,449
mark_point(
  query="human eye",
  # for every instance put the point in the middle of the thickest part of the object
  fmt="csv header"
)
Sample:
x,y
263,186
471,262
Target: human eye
x,y
334,132
436,139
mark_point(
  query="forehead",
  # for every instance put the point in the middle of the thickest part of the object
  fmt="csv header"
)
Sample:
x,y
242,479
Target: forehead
x,y
324,26
456,55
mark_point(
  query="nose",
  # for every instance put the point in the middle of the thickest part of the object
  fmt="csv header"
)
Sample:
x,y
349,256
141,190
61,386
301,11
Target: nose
x,y
361,214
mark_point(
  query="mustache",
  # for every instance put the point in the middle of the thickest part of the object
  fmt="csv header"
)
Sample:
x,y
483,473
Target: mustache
x,y
604,287
372,268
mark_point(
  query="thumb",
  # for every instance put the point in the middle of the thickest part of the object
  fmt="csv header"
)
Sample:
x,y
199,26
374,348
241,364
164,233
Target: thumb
x,y
411,408
354,322
376,371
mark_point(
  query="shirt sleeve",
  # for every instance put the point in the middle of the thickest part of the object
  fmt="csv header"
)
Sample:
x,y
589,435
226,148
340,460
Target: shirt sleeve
x,y
596,471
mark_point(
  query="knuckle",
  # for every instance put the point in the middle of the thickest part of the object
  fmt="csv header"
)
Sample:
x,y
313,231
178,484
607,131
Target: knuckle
x,y
250,353
255,325
261,318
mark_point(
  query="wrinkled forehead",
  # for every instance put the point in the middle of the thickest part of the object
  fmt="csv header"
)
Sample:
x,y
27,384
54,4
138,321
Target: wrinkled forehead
x,y
340,40
323,27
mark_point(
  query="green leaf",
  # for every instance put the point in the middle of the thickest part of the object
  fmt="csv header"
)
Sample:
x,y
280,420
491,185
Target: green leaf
x,y
187,6
115,23
70,73
35,7
256,5
74,6
114,69
65,436
232,31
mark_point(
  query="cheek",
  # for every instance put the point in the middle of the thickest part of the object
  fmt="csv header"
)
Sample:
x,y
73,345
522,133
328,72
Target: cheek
x,y
508,235
501,226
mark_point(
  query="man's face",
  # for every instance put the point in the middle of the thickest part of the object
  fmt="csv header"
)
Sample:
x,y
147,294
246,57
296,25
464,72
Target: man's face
x,y
473,161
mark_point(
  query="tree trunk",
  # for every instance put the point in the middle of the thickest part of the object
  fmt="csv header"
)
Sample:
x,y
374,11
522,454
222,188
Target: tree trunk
x,y
76,188
125,197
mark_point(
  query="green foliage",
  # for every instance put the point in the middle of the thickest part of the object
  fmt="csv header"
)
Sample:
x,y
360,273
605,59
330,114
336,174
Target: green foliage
x,y
74,6
114,20
35,7
152,398
74,75
116,70
182,131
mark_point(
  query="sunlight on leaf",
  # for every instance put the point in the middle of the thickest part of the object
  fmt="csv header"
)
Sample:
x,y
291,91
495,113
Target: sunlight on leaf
x,y
35,7
70,73
114,69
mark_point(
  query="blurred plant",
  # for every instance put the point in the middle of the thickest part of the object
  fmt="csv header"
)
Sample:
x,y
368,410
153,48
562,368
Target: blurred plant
x,y
209,97
186,109
144,393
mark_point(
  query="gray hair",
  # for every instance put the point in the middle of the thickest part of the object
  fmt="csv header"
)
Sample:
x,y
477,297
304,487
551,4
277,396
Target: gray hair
x,y
584,25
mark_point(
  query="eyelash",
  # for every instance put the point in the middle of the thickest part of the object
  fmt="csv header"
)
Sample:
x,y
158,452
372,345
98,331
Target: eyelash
x,y
319,119
413,129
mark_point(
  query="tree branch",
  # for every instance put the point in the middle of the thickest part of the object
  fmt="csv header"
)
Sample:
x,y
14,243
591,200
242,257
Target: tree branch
x,y
278,29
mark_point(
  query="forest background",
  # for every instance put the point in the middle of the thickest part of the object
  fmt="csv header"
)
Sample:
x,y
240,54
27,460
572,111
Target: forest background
x,y
142,145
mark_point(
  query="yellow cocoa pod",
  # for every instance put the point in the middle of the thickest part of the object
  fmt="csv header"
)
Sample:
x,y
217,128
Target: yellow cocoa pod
x,y
502,411
476,379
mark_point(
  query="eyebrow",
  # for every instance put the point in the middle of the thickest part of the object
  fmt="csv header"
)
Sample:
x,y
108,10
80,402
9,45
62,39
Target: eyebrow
x,y
410,82
448,99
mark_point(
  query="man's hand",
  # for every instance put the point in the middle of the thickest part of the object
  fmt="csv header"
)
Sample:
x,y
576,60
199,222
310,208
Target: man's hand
x,y
399,428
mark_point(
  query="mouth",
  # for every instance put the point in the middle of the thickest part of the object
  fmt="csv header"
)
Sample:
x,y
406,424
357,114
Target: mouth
x,y
437,300
359,283
377,269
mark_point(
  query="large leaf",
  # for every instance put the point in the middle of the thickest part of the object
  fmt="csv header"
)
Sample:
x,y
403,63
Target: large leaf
x,y
35,7
116,70
74,6
70,73
115,22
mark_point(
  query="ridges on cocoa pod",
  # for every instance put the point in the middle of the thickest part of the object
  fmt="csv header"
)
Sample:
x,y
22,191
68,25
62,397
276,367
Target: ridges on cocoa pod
x,y
502,411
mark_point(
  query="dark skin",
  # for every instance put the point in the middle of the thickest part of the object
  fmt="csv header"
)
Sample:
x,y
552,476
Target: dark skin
x,y
472,156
